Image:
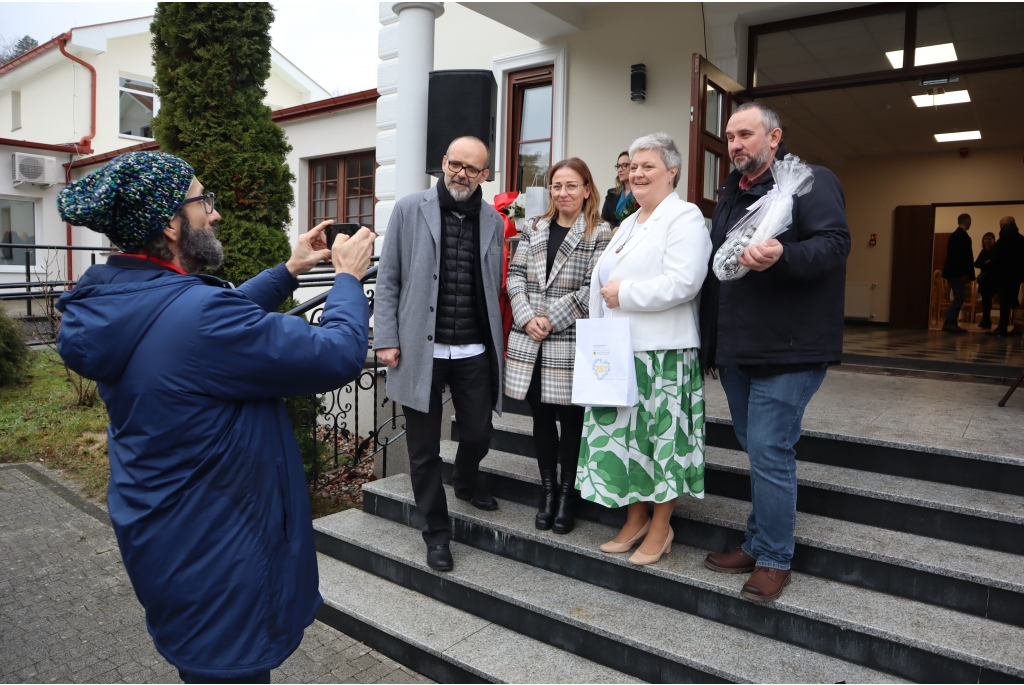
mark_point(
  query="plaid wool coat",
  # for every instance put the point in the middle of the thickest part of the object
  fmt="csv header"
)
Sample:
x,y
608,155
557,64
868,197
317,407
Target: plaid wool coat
x,y
562,297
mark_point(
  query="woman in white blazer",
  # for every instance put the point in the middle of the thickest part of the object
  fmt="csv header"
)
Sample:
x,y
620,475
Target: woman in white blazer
x,y
651,273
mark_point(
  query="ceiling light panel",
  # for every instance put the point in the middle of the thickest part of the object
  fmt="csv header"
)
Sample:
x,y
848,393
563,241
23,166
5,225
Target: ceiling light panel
x,y
929,54
959,135
954,98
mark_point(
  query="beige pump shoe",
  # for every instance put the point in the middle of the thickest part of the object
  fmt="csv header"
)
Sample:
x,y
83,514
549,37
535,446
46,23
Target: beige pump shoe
x,y
641,559
612,547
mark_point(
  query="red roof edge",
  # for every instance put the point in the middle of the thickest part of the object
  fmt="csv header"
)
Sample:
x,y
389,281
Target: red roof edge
x,y
73,148
107,156
39,49
312,109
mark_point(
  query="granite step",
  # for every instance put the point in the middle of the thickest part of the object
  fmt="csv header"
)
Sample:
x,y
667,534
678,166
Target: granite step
x,y
982,518
639,638
872,629
995,473
972,580
440,641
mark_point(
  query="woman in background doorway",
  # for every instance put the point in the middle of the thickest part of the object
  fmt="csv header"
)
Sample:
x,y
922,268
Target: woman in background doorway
x,y
986,280
619,202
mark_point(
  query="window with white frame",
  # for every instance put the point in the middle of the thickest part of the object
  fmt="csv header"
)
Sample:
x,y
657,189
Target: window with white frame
x,y
137,105
17,227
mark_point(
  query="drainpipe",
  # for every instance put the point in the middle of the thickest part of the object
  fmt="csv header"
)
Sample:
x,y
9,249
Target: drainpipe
x,y
86,141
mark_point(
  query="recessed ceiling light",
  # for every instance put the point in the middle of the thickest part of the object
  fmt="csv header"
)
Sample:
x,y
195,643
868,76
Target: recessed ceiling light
x,y
959,135
956,97
929,54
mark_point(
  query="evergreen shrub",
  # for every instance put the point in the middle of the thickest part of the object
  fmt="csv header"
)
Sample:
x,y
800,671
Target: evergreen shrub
x,y
14,353
212,60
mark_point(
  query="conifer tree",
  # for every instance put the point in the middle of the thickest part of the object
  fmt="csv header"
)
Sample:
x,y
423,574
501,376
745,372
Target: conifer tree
x,y
212,60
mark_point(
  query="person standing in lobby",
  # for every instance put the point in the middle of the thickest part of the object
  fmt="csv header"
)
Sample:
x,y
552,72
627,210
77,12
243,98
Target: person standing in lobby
x,y
986,281
619,202
437,322
549,287
771,335
651,273
958,270
1008,269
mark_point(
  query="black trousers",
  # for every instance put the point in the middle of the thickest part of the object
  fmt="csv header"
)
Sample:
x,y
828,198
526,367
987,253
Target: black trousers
x,y
1007,300
470,382
552,450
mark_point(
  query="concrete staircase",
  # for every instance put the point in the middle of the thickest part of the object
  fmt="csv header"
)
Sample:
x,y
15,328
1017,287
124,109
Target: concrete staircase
x,y
908,567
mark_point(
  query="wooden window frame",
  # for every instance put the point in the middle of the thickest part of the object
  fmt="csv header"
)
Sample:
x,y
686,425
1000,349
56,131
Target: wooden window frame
x,y
517,83
906,73
342,179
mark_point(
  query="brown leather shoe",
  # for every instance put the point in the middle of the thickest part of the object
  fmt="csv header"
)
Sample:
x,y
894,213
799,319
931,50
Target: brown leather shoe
x,y
765,585
736,561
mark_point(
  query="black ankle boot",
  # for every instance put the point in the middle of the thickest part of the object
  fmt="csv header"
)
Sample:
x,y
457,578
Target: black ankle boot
x,y
565,519
548,501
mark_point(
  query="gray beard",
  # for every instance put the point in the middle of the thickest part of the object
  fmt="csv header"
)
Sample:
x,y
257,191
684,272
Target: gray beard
x,y
199,249
459,192
756,162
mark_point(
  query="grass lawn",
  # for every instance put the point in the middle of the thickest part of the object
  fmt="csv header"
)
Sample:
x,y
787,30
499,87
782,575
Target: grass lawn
x,y
40,422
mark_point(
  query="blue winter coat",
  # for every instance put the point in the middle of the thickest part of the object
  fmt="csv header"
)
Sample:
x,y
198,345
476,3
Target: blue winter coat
x,y
207,494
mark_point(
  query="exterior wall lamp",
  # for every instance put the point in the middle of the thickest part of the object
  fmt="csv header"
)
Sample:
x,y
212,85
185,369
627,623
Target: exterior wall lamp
x,y
638,82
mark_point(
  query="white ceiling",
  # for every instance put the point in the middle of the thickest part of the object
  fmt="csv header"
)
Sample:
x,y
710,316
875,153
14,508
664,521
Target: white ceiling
x,y
833,126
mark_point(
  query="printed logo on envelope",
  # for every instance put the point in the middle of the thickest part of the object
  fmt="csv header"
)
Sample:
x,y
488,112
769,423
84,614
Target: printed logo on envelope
x,y
601,368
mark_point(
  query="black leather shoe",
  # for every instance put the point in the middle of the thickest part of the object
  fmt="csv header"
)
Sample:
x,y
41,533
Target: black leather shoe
x,y
548,500
565,519
479,499
439,557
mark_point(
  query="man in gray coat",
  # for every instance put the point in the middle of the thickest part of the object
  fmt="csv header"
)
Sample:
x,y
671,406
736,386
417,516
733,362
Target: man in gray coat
x,y
437,322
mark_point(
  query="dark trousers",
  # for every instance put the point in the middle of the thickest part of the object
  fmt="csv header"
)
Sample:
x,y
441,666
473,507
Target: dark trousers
x,y
261,677
986,308
470,382
959,289
552,450
1007,301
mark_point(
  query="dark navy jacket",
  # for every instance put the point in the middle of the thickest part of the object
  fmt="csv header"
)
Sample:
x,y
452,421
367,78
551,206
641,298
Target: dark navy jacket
x,y
207,493
791,313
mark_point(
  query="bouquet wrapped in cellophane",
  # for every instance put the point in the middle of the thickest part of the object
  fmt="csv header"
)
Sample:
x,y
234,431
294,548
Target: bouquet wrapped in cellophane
x,y
767,218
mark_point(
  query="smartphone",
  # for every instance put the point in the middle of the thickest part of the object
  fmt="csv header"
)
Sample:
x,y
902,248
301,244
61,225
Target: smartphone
x,y
334,230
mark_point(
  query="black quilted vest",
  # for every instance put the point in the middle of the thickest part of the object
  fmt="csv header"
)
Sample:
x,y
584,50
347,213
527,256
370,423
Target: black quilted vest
x,y
457,320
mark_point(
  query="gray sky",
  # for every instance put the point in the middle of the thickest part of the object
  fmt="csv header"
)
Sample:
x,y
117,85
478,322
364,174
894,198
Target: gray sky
x,y
335,43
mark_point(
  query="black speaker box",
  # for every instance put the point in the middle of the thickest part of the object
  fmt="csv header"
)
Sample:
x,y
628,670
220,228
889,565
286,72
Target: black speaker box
x,y
460,102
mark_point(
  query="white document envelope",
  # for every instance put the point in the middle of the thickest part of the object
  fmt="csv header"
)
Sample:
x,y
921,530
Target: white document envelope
x,y
604,374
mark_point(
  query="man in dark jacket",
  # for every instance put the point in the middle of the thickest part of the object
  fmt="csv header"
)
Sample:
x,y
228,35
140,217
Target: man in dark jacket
x,y
1008,269
207,493
958,270
771,334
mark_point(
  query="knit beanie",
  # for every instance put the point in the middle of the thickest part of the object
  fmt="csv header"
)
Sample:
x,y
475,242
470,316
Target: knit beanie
x,y
130,199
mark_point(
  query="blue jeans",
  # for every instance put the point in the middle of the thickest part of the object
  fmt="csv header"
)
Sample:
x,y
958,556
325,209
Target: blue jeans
x,y
766,415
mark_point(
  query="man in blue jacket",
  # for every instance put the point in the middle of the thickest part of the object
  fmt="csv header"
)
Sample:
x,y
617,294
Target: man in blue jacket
x,y
771,335
207,494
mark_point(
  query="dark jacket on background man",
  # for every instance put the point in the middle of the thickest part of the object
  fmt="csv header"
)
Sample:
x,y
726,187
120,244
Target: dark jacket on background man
x,y
959,256
1008,258
792,313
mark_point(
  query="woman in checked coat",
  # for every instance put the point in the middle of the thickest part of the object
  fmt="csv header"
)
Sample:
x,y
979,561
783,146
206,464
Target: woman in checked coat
x,y
549,287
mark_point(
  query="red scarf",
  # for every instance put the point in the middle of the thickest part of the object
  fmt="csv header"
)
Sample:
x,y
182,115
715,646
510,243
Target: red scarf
x,y
157,261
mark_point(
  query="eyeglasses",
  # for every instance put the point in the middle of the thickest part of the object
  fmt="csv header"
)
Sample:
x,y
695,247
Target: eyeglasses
x,y
571,188
207,198
456,167
623,166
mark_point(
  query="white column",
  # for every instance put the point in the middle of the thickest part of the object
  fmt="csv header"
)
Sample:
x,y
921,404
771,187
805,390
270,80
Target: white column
x,y
406,49
415,62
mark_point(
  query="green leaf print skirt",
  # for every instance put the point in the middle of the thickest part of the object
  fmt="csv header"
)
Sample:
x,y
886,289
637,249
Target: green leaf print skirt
x,y
654,451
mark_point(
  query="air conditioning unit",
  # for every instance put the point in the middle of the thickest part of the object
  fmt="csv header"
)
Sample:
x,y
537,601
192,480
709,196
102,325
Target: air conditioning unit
x,y
33,169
